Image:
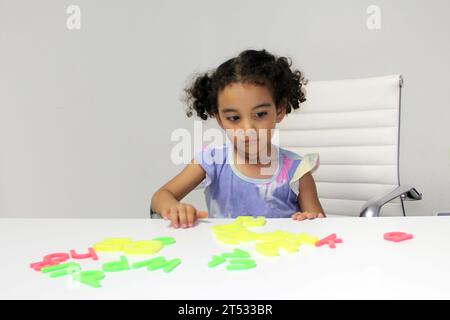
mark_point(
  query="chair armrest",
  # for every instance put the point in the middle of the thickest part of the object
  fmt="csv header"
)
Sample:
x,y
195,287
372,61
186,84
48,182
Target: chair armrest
x,y
373,206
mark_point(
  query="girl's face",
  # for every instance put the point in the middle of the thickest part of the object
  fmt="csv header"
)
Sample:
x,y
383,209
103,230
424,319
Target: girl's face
x,y
248,114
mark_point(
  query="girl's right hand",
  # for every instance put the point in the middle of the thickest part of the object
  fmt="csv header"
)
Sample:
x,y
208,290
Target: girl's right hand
x,y
183,214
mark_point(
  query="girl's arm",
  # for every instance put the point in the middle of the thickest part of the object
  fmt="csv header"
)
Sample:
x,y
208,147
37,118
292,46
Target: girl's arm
x,y
308,201
166,200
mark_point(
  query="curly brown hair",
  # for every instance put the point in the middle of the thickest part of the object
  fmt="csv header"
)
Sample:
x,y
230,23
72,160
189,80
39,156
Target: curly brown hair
x,y
250,66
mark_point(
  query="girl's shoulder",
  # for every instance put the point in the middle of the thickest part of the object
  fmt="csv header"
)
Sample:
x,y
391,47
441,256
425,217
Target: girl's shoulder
x,y
212,158
296,166
306,159
284,153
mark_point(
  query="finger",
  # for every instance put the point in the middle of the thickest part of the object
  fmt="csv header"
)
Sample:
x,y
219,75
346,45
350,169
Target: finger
x,y
165,214
295,215
301,217
321,215
190,215
174,217
182,216
311,215
202,214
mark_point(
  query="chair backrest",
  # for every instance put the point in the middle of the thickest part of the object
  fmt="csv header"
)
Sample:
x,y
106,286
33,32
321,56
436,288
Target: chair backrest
x,y
354,126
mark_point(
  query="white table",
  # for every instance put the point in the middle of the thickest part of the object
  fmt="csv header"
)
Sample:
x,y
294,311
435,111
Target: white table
x,y
365,266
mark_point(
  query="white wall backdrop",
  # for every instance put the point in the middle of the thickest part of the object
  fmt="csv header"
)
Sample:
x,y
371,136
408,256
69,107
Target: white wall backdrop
x,y
86,115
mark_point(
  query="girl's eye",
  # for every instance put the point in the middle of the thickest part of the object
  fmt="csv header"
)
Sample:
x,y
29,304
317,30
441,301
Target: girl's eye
x,y
261,114
233,118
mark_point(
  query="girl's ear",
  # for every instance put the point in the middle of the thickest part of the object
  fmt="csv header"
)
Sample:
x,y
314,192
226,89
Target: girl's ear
x,y
281,110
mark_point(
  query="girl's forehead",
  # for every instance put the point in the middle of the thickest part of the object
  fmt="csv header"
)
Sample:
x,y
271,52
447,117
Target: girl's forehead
x,y
243,95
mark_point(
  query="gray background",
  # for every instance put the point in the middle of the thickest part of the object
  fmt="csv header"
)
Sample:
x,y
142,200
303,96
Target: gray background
x,y
86,115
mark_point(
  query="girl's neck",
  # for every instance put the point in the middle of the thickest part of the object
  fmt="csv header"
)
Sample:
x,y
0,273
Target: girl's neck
x,y
253,166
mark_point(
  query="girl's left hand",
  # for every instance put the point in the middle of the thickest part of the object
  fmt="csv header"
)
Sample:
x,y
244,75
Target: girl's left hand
x,y
307,215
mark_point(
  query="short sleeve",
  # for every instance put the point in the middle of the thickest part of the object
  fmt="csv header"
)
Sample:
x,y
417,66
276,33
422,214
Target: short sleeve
x,y
309,163
207,158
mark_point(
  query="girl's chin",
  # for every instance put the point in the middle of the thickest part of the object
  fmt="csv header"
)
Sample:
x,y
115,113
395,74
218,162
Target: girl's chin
x,y
249,150
251,154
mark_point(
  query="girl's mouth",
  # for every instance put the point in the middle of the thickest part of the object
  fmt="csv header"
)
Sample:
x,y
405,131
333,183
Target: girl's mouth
x,y
251,141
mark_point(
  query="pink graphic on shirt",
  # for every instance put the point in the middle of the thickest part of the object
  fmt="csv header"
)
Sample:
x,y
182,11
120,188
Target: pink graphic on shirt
x,y
266,190
283,175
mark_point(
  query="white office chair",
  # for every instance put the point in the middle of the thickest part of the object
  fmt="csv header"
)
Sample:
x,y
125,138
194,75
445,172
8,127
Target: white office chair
x,y
354,126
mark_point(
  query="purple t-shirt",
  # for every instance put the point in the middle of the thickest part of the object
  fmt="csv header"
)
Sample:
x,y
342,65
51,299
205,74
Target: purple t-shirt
x,y
229,193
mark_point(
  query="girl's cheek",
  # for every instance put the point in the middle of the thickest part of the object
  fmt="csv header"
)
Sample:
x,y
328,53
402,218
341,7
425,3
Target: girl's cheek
x,y
230,134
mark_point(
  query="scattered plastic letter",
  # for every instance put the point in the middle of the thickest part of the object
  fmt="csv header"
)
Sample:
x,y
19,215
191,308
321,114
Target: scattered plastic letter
x,y
172,264
143,247
269,249
249,221
50,260
216,260
91,254
331,240
115,266
147,262
61,269
158,264
112,244
165,240
90,277
241,264
237,253
305,238
397,236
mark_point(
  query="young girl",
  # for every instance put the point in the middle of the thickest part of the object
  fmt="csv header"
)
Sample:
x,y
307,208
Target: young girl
x,y
251,92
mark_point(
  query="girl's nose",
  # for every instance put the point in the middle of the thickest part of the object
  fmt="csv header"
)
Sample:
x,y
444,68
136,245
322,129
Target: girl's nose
x,y
248,125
